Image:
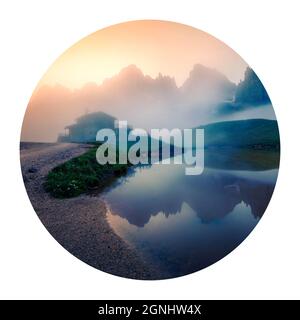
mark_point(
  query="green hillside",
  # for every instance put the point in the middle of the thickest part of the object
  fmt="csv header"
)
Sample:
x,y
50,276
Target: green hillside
x,y
256,133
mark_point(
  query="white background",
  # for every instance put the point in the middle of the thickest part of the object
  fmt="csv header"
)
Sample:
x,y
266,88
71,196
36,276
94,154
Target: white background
x,y
33,265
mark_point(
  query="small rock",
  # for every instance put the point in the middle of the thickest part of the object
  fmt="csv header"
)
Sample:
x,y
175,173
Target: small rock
x,y
32,170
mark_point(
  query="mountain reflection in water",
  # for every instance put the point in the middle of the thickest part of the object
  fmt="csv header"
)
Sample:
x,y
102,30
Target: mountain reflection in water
x,y
181,223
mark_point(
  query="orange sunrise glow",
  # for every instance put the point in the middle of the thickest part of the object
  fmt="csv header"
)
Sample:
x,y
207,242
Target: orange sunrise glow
x,y
153,46
158,52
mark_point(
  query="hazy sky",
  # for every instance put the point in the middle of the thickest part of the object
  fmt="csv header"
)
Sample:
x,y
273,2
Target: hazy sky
x,y
153,46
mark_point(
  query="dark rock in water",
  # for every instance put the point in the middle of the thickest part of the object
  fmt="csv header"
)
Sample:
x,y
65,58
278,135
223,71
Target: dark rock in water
x,y
32,170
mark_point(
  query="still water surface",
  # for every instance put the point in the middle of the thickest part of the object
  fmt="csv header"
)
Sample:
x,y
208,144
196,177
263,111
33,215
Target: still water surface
x,y
181,224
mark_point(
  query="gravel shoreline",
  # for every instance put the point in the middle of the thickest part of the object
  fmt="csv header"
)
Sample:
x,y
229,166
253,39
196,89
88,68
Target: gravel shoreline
x,y
78,224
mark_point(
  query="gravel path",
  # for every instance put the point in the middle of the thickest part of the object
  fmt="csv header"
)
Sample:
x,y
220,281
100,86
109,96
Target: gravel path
x,y
78,224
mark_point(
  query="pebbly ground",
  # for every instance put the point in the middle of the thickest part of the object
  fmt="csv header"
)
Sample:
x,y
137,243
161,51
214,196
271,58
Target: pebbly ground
x,y
78,224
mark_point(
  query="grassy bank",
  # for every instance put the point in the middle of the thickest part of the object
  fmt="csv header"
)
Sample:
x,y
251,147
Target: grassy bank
x,y
82,174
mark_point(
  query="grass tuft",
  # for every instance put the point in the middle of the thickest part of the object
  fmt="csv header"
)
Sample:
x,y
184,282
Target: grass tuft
x,y
82,174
